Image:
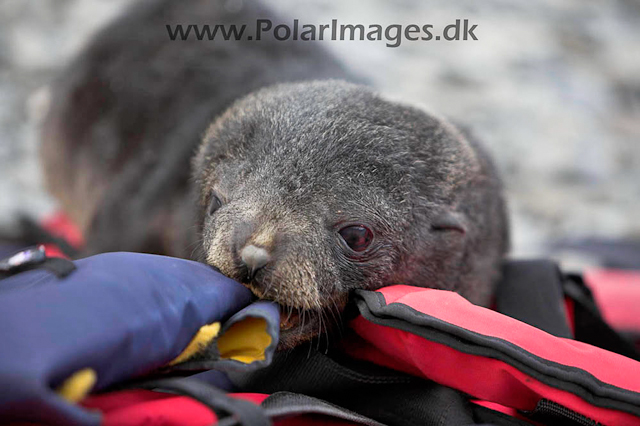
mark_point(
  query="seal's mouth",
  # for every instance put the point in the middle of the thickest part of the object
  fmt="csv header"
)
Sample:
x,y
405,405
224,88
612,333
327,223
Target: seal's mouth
x,y
289,320
292,318
300,325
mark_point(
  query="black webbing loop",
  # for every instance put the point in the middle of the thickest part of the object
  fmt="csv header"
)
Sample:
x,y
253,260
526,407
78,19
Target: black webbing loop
x,y
590,327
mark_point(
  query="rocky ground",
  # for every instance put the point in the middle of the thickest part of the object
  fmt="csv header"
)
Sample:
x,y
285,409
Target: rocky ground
x,y
553,88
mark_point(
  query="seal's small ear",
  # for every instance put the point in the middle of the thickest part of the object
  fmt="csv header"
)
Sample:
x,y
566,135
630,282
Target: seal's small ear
x,y
449,221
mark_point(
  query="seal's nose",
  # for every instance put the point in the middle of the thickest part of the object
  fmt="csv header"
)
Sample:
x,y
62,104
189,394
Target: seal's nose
x,y
254,258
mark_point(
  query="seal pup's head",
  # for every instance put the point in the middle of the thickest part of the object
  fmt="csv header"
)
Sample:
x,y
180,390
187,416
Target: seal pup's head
x,y
310,190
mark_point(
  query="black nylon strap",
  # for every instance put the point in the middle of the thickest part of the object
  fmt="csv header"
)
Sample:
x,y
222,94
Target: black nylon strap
x,y
240,412
531,291
384,395
285,404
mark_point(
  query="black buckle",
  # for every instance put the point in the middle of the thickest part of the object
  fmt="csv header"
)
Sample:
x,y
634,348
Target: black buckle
x,y
34,258
24,258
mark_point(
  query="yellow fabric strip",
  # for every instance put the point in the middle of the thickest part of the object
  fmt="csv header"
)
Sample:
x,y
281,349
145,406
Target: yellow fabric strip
x,y
76,387
200,341
245,341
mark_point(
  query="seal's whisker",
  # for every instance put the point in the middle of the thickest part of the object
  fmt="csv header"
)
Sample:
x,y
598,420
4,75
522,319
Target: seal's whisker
x,y
326,334
319,330
195,245
337,320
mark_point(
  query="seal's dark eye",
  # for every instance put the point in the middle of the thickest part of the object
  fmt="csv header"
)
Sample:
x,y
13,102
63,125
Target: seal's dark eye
x,y
214,204
357,237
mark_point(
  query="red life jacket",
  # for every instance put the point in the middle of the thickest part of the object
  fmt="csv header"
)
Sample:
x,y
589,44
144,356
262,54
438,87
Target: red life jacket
x,y
505,370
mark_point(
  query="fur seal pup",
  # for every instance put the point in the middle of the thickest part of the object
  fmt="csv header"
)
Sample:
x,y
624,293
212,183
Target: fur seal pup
x,y
301,191
310,190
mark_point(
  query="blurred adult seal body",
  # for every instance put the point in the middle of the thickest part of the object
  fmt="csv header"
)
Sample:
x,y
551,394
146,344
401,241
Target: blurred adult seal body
x,y
303,190
128,114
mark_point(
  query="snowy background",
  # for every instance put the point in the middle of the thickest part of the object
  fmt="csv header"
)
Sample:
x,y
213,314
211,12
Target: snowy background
x,y
552,87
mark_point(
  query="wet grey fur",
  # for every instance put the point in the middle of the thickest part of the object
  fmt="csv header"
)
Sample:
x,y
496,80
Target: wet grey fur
x,y
292,165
